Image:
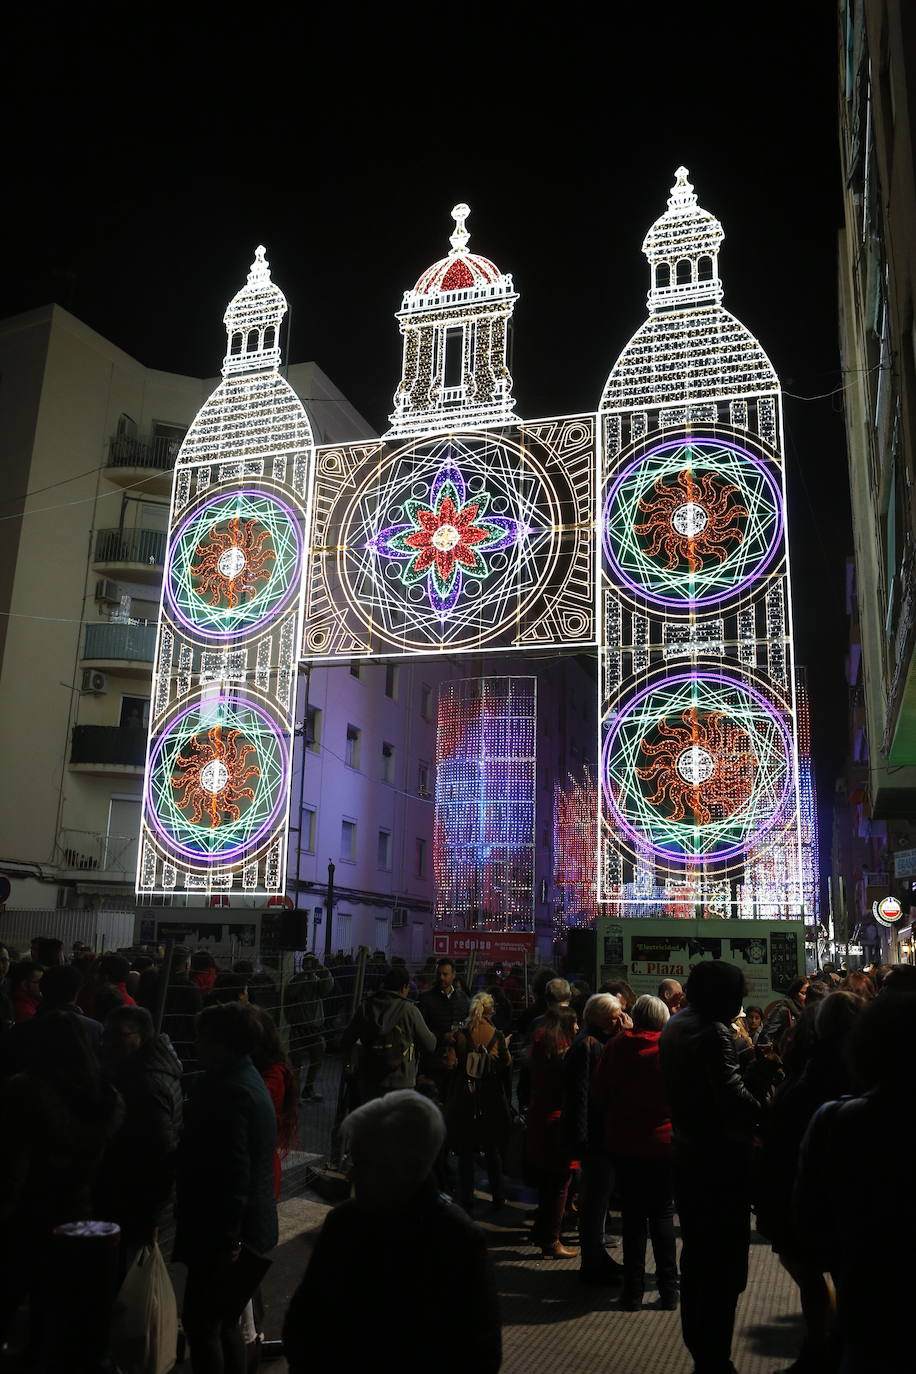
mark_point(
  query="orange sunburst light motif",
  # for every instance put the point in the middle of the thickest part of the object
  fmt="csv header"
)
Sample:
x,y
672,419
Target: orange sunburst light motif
x,y
702,764
692,520
232,562
212,777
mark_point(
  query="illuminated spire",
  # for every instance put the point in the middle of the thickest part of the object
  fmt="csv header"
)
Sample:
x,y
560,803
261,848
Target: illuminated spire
x,y
683,249
252,321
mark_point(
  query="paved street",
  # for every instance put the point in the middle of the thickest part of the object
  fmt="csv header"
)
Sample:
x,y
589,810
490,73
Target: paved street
x,y
551,1322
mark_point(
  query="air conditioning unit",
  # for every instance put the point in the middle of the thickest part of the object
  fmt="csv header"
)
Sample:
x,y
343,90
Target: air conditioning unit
x,y
399,918
94,681
108,591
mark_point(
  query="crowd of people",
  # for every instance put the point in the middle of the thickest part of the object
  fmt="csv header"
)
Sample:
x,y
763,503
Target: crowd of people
x,y
134,1091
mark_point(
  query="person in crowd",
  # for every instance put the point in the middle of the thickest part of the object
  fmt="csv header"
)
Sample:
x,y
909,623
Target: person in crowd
x,y
785,1014
443,1008
107,997
58,1116
397,1239
477,1113
25,989
580,991
60,989
900,978
203,971
7,1016
136,1181
182,1004
538,1004
619,988
225,1183
503,1015
639,1141
861,983
753,1020
671,993
824,1076
262,988
413,992
548,1151
47,951
714,1117
584,1128
841,1134
514,988
272,1063
115,970
227,987
304,1005
388,1034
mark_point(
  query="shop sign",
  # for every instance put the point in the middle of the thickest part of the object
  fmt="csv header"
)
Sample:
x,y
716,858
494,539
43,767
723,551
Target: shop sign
x,y
905,863
491,945
887,911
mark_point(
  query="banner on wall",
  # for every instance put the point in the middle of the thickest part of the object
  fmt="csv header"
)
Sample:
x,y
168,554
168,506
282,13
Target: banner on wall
x,y
490,945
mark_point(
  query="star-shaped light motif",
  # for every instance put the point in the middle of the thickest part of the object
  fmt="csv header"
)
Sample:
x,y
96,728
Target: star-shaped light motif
x,y
447,537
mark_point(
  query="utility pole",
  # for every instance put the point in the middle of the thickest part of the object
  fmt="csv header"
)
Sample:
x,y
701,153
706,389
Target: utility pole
x,y
329,913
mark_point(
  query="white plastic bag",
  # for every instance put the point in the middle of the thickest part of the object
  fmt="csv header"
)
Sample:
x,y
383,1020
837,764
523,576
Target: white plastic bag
x,y
144,1329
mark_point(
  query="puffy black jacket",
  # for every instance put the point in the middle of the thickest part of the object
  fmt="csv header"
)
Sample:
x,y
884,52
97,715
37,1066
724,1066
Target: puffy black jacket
x,y
711,1109
441,1013
583,1114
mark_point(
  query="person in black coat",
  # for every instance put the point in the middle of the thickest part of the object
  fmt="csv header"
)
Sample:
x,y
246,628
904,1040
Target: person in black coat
x,y
137,1179
713,1118
225,1177
398,1250
443,1007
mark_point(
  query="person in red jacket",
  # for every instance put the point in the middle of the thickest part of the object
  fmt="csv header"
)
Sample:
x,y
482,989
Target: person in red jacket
x,y
25,982
639,1141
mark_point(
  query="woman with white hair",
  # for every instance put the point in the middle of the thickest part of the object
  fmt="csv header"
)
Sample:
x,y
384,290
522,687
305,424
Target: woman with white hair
x,y
478,1111
391,1253
639,1141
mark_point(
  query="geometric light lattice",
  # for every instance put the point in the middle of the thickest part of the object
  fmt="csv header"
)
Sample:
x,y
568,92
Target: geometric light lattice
x,y
448,540
233,564
692,522
697,768
216,780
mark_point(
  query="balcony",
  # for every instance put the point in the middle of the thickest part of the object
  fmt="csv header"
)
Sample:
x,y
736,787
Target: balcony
x,y
136,555
101,854
146,464
113,749
123,649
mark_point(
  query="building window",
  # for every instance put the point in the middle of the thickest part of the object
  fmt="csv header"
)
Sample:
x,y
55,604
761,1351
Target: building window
x,y
426,702
313,729
387,762
351,753
391,681
381,933
355,669
343,932
420,858
134,712
348,841
423,788
308,829
384,850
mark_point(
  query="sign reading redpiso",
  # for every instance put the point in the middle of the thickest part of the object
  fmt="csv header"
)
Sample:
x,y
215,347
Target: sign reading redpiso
x,y
494,946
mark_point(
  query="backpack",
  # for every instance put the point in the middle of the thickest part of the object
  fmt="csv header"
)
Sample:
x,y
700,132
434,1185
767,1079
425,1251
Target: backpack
x,y
388,1052
479,1063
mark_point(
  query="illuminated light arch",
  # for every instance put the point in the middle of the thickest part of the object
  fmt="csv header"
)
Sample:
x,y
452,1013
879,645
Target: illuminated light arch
x,y
216,780
691,522
697,768
234,564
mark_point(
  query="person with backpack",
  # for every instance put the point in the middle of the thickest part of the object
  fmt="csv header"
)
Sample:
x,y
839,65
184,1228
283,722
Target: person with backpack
x,y
478,1112
390,1031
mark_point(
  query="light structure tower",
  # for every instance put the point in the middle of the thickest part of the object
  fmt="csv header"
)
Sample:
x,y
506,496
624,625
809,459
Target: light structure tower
x,y
216,794
698,738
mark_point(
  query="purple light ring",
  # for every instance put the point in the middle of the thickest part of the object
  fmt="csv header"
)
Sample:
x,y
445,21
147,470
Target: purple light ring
x,y
718,856
191,626
713,598
229,855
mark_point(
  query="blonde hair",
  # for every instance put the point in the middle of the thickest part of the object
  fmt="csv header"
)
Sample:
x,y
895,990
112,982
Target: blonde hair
x,y
482,1008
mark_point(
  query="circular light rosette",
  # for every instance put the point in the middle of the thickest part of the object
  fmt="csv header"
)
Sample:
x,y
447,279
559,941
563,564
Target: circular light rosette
x,y
692,522
449,540
233,564
216,780
696,768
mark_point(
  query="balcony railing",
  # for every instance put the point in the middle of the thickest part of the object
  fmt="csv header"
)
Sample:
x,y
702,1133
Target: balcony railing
x,y
99,744
156,452
130,546
114,641
92,852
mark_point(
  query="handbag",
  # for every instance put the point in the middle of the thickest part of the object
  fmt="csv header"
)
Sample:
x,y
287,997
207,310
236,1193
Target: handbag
x,y
144,1329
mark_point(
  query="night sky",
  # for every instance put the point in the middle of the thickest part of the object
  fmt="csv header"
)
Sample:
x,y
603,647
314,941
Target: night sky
x,y
146,157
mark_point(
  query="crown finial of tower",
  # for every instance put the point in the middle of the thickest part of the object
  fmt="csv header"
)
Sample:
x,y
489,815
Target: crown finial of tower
x,y
459,239
259,272
683,196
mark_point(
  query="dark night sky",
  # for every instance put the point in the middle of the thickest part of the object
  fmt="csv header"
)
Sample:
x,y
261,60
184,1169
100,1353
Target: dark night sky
x,y
144,164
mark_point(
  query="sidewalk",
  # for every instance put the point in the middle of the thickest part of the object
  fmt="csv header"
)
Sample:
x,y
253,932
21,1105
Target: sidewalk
x,y
552,1323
